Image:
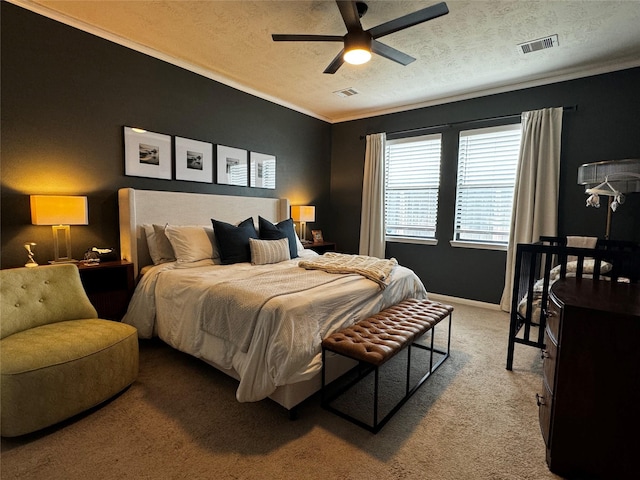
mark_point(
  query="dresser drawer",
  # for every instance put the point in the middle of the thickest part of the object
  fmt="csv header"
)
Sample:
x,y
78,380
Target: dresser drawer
x,y
549,355
545,401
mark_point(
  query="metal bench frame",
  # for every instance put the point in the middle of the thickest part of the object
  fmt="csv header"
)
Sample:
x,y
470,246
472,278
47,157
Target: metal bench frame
x,y
365,368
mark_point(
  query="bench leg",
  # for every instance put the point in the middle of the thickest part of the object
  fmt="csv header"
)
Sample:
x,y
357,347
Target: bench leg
x,y
375,397
406,391
433,331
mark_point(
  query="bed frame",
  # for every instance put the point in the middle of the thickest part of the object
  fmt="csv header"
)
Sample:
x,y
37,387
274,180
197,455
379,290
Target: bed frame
x,y
140,207
535,261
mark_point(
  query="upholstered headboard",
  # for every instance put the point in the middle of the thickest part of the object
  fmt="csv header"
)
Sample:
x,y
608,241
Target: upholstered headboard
x,y
140,207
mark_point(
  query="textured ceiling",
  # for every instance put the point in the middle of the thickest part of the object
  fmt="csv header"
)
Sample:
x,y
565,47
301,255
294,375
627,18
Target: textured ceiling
x,y
469,52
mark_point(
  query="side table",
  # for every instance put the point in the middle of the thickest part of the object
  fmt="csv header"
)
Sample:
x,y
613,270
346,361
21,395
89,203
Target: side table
x,y
321,247
109,286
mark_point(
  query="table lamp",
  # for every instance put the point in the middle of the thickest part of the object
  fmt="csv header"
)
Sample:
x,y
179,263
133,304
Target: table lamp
x,y
59,211
303,214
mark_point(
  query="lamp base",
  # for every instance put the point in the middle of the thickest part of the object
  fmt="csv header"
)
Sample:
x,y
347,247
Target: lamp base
x,y
57,262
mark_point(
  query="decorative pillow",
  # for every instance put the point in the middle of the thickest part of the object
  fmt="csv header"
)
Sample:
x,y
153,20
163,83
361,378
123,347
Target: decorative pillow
x,y
160,248
587,268
269,251
233,241
192,243
284,229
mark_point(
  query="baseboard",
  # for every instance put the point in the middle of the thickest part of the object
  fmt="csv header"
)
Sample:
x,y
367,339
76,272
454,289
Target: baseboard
x,y
463,301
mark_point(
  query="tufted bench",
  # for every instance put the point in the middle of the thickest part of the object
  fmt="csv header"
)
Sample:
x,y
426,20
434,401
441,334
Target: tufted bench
x,y
376,339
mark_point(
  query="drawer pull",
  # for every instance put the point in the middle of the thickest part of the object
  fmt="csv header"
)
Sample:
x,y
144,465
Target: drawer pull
x,y
544,354
539,399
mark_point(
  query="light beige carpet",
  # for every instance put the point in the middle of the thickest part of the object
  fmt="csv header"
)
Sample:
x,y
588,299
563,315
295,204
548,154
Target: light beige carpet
x,y
472,420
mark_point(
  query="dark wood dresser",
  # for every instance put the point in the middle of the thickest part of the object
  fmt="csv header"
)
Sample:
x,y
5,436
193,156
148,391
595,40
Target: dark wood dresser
x,y
589,407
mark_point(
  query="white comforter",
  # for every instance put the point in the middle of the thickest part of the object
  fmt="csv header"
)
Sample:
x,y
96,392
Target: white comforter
x,y
170,302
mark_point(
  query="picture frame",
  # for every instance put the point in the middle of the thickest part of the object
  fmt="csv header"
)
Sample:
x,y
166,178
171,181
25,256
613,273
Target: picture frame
x,y
317,236
147,154
232,166
194,160
262,170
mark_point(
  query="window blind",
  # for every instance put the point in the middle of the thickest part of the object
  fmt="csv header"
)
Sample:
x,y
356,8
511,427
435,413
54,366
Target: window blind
x,y
487,163
412,180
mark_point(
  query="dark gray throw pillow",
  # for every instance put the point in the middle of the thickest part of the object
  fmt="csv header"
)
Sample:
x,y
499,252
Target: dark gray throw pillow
x,y
284,229
233,241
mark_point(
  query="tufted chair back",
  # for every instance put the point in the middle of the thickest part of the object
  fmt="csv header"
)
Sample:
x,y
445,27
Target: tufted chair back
x,y
30,297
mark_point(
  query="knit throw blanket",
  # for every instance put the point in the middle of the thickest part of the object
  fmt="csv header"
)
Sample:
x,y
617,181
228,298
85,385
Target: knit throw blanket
x,y
375,269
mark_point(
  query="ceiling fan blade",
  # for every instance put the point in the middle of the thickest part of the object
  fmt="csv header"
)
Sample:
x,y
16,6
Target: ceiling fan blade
x,y
350,16
391,53
336,63
429,13
306,38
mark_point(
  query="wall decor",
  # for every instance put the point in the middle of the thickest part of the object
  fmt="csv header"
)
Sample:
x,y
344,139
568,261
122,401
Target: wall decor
x,y
232,166
147,154
263,170
194,160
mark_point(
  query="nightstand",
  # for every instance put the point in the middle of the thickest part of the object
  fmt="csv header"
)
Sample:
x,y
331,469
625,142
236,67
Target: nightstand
x,y
109,286
321,247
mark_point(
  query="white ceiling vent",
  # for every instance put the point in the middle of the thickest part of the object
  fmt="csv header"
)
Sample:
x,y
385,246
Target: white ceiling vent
x,y
347,92
539,44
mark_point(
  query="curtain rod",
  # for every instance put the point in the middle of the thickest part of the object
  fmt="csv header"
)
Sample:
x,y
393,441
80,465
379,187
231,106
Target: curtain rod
x,y
571,108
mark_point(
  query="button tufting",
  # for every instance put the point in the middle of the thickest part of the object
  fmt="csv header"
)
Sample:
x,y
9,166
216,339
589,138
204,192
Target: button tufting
x,y
17,304
24,287
378,337
41,300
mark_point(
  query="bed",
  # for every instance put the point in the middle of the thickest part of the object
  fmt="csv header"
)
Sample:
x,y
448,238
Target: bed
x,y
538,265
278,354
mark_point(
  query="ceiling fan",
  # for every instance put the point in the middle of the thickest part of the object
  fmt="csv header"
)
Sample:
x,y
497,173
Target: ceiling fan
x,y
359,43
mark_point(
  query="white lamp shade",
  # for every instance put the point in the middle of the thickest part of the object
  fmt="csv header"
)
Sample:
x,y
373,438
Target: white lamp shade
x,y
303,213
59,210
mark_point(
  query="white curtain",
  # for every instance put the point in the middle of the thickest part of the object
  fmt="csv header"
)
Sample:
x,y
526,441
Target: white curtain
x,y
372,217
535,199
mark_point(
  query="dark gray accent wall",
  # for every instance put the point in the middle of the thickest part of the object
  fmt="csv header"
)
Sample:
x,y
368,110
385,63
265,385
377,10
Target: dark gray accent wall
x,y
604,127
66,96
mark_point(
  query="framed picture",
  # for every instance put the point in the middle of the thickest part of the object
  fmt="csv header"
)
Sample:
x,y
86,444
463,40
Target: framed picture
x,y
194,160
147,154
317,236
263,170
232,166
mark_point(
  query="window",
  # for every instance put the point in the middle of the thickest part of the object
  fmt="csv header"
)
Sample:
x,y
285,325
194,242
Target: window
x,y
487,161
412,180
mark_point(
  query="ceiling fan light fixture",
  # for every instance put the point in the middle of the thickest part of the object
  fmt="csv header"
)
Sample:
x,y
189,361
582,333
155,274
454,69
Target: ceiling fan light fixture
x,y
357,48
357,56
360,44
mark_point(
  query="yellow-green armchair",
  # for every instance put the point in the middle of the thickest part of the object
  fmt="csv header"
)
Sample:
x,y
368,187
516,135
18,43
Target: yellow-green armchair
x,y
56,358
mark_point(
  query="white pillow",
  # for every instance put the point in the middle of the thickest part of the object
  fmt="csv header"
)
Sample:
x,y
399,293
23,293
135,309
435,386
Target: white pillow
x,y
269,251
192,243
160,249
587,268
